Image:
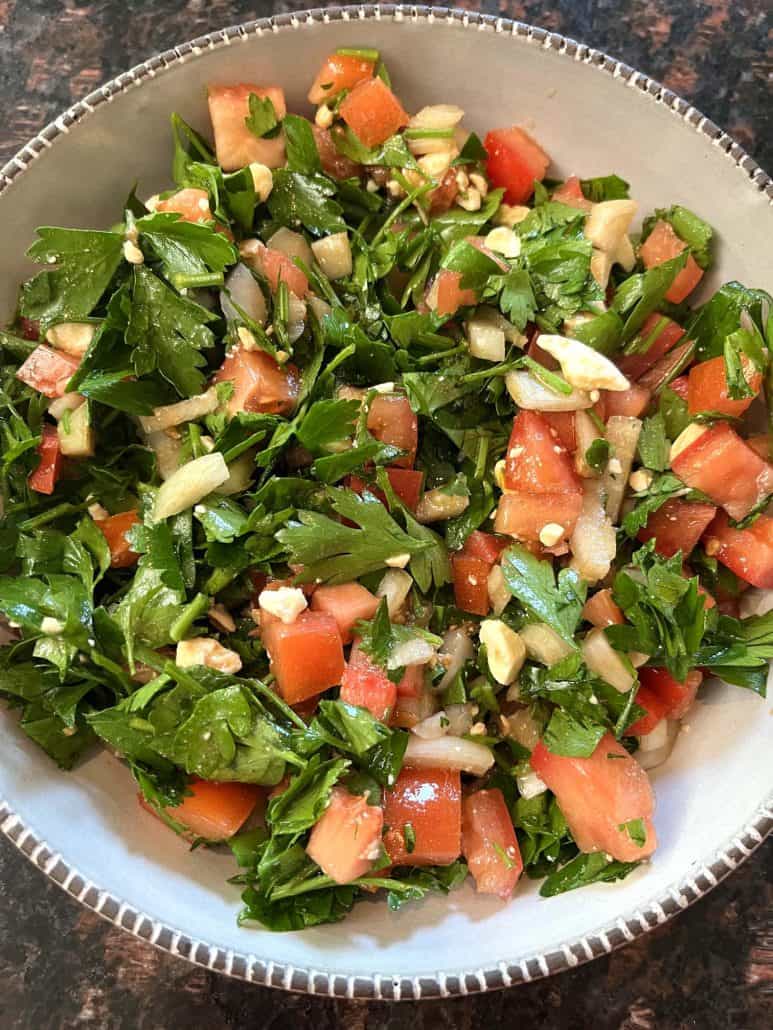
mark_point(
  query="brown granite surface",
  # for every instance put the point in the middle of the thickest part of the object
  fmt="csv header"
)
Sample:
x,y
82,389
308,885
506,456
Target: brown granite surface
x,y
61,966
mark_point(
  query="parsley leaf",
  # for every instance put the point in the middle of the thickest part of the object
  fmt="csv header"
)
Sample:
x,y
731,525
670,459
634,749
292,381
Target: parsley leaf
x,y
604,187
302,153
533,582
262,120
305,200
582,870
185,248
653,444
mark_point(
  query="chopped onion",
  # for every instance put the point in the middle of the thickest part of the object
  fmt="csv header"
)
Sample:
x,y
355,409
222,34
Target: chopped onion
x,y
530,785
433,727
543,643
291,244
755,602
67,402
498,591
623,436
395,587
183,411
319,306
246,294
410,652
437,505
601,658
190,484
522,727
167,451
587,431
593,541
297,319
530,394
456,650
656,747
449,753
240,473
459,719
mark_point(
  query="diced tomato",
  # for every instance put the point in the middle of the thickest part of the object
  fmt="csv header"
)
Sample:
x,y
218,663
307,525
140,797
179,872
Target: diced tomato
x,y
602,610
515,160
537,462
430,801
235,144
489,843
347,603
114,529
278,267
667,368
333,162
746,552
522,515
346,840
29,328
260,384
662,245
676,697
655,709
392,421
306,656
632,402
373,112
360,486
407,484
366,685
677,525
446,295
721,465
680,386
339,72
563,422
215,811
191,204
485,546
634,365
48,371
760,444
707,388
413,682
471,583
441,199
44,478
598,795
570,193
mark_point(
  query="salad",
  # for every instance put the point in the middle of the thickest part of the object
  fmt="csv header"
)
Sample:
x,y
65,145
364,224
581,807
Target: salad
x,y
380,500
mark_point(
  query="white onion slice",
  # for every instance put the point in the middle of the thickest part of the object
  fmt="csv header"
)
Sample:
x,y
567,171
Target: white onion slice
x,y
190,484
449,753
456,649
530,785
245,293
433,727
460,719
543,644
182,411
530,394
395,587
410,652
655,748
601,658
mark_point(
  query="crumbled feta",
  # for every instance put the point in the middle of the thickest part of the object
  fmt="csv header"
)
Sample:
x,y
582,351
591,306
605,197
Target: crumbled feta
x,y
550,534
583,366
286,603
505,651
132,253
209,652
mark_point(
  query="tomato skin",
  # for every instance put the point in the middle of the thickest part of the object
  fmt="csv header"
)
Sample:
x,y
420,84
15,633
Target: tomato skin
x,y
44,478
431,801
746,552
366,685
373,112
563,422
570,193
48,371
677,525
707,388
114,529
515,160
662,245
486,546
674,696
632,402
680,386
215,811
235,145
278,267
537,462
471,583
412,683
635,365
446,295
260,383
655,709
344,839
191,204
347,603
760,444
598,794
601,610
334,163
522,515
306,656
487,836
407,484
339,72
392,421
721,465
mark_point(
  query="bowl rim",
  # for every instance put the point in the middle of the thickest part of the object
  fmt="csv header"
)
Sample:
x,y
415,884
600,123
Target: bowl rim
x,y
703,876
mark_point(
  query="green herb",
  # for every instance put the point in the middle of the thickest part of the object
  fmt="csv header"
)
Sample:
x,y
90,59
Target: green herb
x,y
583,870
689,227
636,830
302,154
605,187
262,120
653,443
597,455
558,602
409,836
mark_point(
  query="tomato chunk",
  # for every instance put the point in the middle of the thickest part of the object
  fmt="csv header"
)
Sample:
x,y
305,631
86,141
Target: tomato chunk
x,y
676,697
407,484
446,295
333,162
632,402
602,610
412,683
655,709
392,421
260,384
515,160
235,144
346,841
537,462
760,444
306,656
680,386
347,603
215,811
339,72
373,112
48,371
721,465
746,552
563,422
430,800
471,583
114,530
707,388
278,267
570,193
489,843
366,685
677,526
45,476
662,245
598,795
523,515
662,334
485,546
191,204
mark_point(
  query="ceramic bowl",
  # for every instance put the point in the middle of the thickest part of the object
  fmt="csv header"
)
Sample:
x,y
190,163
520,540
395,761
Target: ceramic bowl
x,y
594,116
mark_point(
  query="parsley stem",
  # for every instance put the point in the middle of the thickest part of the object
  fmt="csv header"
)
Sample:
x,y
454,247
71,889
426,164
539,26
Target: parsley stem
x,y
492,370
52,515
238,449
438,355
185,282
194,435
341,356
365,53
481,457
552,380
402,206
428,133
195,608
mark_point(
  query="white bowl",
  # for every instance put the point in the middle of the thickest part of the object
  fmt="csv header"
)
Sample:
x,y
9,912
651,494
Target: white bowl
x,y
594,116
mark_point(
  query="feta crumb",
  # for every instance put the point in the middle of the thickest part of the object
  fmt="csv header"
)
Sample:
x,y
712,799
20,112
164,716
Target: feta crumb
x,y
614,466
640,480
209,652
132,253
505,650
398,561
286,603
384,388
246,338
51,627
550,534
323,119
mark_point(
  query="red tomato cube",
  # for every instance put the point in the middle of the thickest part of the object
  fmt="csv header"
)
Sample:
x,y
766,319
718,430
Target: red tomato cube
x,y
215,811
489,843
235,144
260,383
634,365
346,841
114,529
347,603
515,160
522,515
306,656
445,296
412,684
278,267
746,552
662,245
373,112
48,371
191,204
407,484
333,162
707,388
602,610
655,709
537,462
366,685
392,421
632,402
563,422
339,72
471,583
44,478
677,526
680,386
676,697
570,193
430,801
486,546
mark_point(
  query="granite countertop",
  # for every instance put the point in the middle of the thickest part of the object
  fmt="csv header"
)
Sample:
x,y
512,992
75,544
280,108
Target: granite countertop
x,y
62,966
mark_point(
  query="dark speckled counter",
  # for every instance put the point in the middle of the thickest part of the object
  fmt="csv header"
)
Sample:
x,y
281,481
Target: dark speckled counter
x,y
61,966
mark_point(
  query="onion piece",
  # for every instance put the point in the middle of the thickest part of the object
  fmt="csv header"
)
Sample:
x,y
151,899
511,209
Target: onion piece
x,y
410,652
530,785
460,719
656,747
522,727
240,473
593,542
395,587
182,411
623,436
167,452
543,644
297,318
291,244
587,431
190,484
436,505
433,727
456,650
601,658
530,394
755,602
449,753
246,294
